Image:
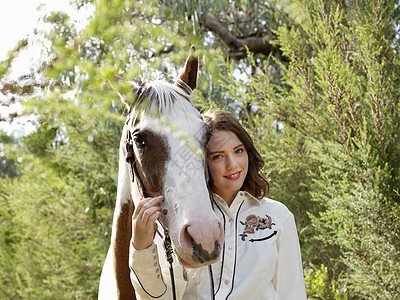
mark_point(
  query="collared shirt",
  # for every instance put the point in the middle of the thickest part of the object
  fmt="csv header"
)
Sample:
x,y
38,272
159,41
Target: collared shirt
x,y
260,259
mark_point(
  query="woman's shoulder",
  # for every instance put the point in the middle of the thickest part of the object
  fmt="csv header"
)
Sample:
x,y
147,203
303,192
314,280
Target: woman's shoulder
x,y
275,206
267,205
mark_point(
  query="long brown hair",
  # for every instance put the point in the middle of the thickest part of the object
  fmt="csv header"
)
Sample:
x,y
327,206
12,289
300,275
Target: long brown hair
x,y
255,182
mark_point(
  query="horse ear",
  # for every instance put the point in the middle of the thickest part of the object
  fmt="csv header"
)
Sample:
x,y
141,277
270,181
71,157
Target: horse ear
x,y
189,73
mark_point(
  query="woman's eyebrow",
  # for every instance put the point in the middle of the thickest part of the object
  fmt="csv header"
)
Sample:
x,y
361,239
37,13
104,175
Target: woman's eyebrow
x,y
221,151
213,152
238,146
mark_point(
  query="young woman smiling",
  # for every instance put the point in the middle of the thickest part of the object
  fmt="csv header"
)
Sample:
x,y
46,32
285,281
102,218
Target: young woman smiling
x,y
261,256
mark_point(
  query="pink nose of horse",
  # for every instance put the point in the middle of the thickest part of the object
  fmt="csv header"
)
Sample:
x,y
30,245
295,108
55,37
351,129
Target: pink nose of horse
x,y
203,239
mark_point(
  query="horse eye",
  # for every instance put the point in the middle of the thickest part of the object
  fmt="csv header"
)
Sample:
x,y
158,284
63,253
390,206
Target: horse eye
x,y
139,141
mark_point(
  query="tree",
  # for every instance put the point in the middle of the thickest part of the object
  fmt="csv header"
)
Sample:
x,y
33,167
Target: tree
x,y
47,240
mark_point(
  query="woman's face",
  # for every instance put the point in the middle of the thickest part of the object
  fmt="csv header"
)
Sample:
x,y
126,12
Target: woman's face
x,y
229,162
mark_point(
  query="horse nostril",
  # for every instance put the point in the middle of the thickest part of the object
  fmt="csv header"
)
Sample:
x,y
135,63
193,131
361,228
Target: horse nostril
x,y
187,240
189,236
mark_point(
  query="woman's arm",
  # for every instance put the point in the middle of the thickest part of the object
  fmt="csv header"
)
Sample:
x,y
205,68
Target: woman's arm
x,y
146,275
146,271
288,278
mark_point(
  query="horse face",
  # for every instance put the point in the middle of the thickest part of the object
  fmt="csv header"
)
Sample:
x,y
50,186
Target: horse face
x,y
169,148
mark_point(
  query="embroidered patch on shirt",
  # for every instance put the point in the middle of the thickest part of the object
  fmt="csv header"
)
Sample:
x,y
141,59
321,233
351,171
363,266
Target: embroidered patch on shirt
x,y
254,223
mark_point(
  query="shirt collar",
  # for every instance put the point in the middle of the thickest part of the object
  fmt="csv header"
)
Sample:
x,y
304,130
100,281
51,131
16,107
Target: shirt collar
x,y
241,195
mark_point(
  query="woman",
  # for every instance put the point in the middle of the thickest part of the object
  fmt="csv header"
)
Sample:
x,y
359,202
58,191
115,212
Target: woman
x,y
261,256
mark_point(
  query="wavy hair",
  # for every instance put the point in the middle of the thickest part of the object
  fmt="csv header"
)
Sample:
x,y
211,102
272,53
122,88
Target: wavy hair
x,y
255,183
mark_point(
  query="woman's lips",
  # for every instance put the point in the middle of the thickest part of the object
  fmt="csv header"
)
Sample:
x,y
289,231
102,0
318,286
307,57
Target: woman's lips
x,y
233,176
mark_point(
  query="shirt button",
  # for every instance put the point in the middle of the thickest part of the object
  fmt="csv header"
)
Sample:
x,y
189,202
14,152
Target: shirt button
x,y
230,247
230,221
226,282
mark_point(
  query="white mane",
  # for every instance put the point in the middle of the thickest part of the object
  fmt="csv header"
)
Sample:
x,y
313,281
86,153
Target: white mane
x,y
164,94
166,100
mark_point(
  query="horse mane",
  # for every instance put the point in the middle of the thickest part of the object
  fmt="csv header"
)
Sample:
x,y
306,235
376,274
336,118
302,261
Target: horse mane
x,y
159,97
162,95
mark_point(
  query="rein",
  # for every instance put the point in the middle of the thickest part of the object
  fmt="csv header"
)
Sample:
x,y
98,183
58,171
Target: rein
x,y
131,159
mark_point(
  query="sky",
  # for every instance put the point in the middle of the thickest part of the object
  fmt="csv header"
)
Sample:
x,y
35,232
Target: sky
x,y
18,19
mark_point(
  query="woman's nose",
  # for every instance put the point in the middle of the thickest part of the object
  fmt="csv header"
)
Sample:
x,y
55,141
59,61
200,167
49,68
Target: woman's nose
x,y
231,162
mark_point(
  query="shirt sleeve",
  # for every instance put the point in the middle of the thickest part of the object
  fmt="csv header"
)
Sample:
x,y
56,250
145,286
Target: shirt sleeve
x,y
288,278
147,276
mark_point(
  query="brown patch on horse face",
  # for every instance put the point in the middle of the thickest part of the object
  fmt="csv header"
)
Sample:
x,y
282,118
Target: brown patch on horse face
x,y
151,159
120,247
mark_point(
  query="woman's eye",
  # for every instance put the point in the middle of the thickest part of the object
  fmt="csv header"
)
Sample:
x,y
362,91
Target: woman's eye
x,y
239,151
216,157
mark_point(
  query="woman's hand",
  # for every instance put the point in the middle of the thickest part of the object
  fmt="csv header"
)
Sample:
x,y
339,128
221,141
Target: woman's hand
x,y
143,219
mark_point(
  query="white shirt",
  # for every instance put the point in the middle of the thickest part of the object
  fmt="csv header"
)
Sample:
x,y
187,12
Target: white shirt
x,y
261,258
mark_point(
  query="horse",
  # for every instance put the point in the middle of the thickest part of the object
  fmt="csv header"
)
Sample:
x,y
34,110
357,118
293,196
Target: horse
x,y
167,139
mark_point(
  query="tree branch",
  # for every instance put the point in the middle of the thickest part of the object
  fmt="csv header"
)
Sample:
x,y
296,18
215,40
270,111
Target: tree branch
x,y
235,44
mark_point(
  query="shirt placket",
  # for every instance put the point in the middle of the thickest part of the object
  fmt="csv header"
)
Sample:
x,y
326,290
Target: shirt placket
x,y
228,276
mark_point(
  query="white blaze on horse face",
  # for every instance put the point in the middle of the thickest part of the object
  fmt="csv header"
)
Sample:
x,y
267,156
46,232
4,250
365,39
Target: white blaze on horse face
x,y
195,230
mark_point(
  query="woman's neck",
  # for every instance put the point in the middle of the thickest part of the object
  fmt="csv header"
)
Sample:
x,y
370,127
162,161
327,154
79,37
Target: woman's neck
x,y
227,196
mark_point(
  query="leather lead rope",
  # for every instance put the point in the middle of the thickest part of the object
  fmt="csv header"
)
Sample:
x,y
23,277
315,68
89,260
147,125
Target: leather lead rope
x,y
168,253
131,159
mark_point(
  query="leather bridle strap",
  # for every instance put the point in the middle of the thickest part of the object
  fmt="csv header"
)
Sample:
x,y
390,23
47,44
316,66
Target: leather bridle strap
x,y
131,160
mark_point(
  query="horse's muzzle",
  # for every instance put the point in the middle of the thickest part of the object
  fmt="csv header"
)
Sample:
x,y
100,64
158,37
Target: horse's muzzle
x,y
200,243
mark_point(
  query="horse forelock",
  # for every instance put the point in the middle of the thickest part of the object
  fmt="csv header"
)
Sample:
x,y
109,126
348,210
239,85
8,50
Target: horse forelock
x,y
161,96
162,100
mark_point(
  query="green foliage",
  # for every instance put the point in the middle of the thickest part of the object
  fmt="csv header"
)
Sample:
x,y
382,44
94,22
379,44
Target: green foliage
x,y
8,166
46,239
41,140
319,286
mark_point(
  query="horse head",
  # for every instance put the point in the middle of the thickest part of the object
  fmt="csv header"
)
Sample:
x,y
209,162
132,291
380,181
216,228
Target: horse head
x,y
168,139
